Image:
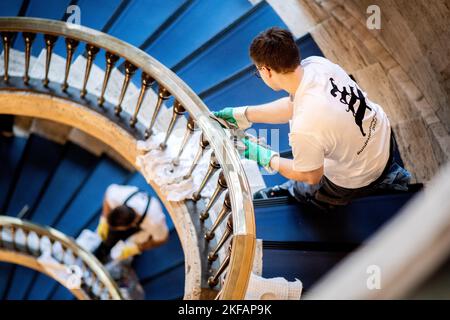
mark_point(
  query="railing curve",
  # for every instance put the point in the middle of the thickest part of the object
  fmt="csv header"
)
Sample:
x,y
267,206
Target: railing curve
x,y
23,242
240,226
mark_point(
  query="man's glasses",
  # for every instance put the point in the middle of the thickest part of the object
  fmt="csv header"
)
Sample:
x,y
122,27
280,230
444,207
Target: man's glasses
x,y
256,73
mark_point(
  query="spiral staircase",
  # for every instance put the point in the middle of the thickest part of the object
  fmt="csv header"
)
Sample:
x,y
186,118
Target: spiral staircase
x,y
121,92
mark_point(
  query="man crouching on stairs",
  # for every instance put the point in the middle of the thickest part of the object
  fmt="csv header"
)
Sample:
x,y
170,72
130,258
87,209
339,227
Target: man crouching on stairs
x,y
131,216
131,222
341,141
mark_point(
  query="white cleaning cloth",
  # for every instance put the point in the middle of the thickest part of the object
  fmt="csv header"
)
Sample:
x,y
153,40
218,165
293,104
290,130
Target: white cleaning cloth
x,y
278,288
157,166
68,275
88,240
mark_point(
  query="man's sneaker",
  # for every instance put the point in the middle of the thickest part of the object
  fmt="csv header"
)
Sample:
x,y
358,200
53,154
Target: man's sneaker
x,y
271,192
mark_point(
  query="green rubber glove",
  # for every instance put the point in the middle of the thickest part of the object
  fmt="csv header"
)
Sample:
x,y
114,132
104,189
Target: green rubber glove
x,y
258,153
234,116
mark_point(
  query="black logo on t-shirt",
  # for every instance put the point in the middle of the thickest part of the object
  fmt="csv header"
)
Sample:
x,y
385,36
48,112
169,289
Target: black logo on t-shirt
x,y
359,114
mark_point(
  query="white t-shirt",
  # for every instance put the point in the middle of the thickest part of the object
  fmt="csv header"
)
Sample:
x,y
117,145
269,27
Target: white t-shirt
x,y
334,124
154,223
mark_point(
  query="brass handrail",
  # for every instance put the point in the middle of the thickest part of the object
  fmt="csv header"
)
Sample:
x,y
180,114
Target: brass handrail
x,y
241,256
11,254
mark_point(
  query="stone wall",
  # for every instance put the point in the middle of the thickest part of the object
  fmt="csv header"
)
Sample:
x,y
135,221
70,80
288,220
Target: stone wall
x,y
404,66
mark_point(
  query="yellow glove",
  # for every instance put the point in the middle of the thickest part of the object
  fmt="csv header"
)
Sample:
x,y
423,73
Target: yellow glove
x,y
102,228
129,251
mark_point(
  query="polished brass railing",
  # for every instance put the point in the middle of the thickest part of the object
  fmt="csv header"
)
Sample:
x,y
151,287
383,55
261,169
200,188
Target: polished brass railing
x,y
239,232
23,242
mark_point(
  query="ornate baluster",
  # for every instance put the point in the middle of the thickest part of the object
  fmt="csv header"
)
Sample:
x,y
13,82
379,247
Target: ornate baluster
x,y
203,145
7,39
226,209
213,255
214,280
111,60
101,290
97,289
20,239
178,110
91,284
105,295
33,243
221,186
13,236
49,45
214,165
130,69
146,82
163,94
71,46
28,38
91,51
190,128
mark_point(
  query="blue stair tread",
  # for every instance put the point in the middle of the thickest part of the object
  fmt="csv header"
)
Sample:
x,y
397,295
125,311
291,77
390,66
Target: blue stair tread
x,y
134,26
60,190
37,167
17,292
53,9
90,198
79,163
193,28
351,224
210,67
41,285
90,17
141,18
94,18
11,150
168,286
307,266
82,209
5,268
157,260
9,8
62,293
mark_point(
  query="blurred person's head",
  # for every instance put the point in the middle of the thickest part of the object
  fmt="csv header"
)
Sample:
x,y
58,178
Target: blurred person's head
x,y
121,218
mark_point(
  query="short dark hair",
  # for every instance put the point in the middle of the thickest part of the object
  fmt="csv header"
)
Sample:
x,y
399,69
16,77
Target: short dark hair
x,y
276,49
121,216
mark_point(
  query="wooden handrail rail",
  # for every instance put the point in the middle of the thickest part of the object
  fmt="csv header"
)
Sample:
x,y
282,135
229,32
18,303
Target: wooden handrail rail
x,y
241,259
29,260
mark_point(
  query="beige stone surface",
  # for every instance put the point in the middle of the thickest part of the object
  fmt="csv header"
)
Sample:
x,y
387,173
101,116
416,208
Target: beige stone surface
x,y
314,10
417,34
404,66
292,14
86,141
22,125
440,142
380,90
50,130
332,37
414,146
